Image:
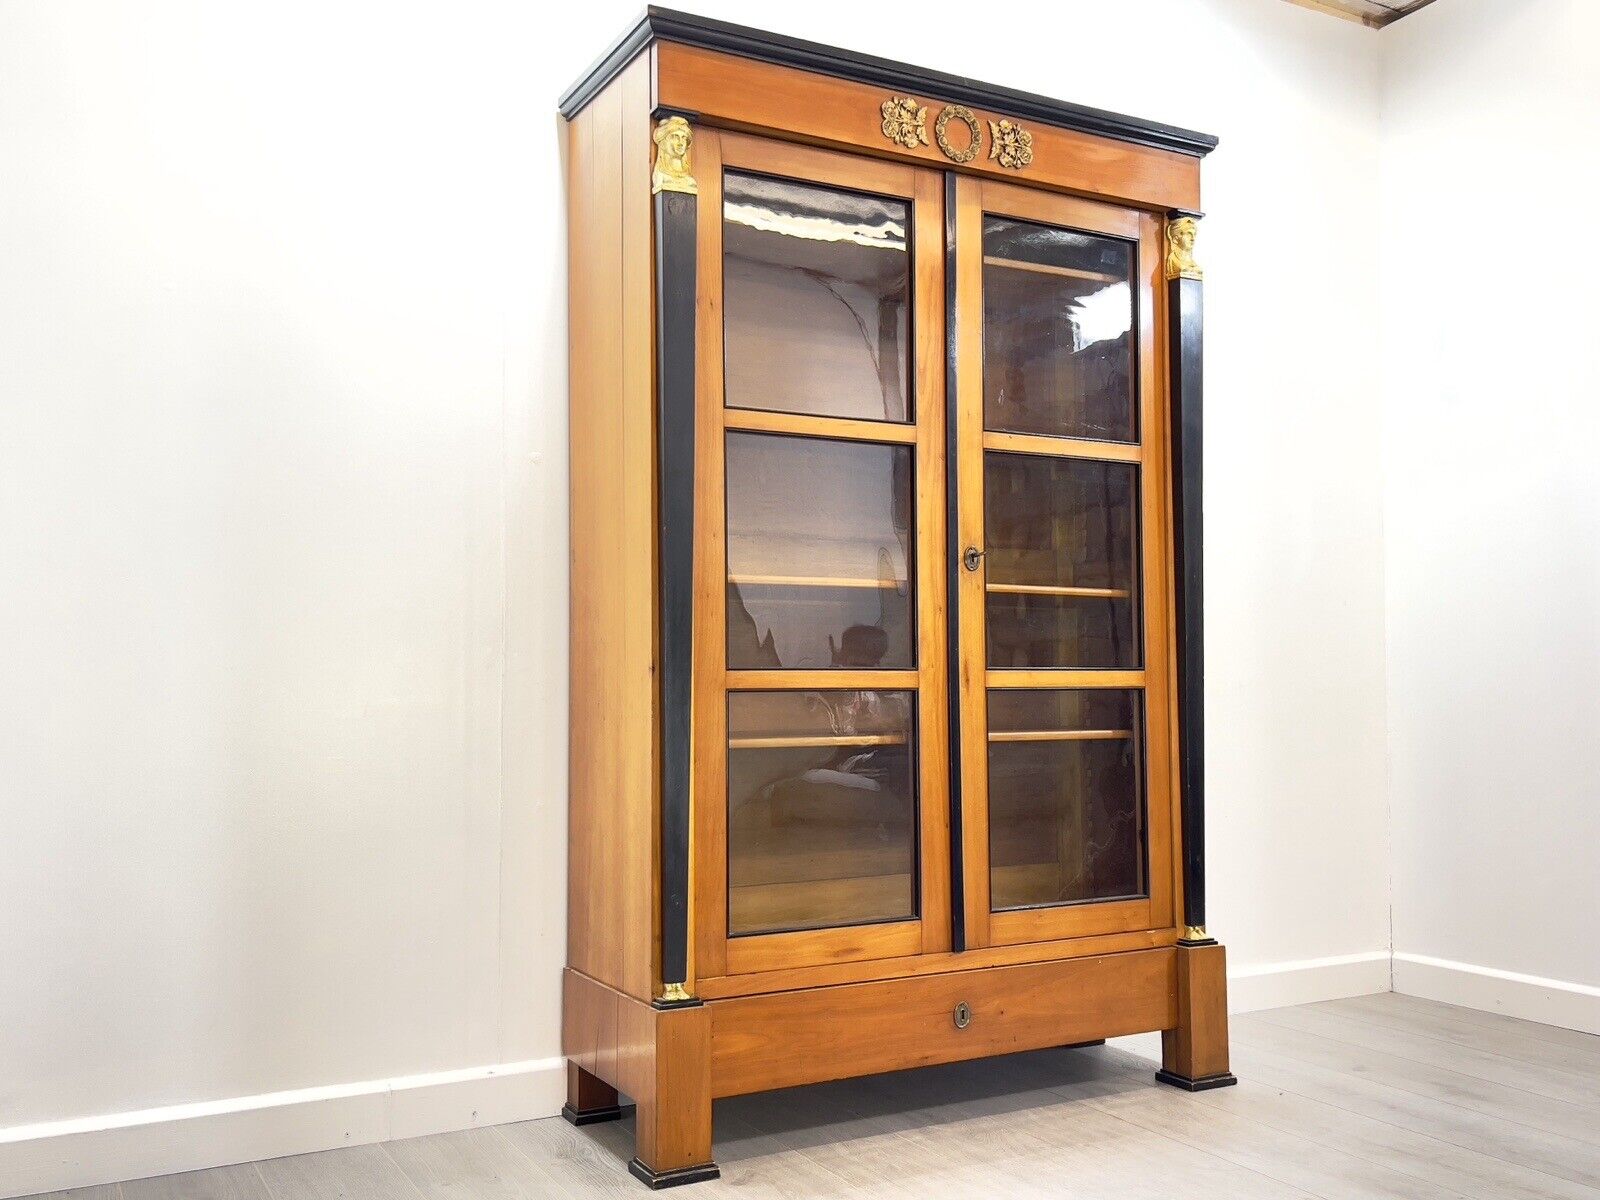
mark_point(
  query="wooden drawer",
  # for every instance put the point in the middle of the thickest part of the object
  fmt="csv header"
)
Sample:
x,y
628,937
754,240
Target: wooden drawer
x,y
790,1038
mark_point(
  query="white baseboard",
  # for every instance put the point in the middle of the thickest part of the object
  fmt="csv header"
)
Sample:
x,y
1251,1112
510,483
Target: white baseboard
x,y
191,1137
1530,997
1276,985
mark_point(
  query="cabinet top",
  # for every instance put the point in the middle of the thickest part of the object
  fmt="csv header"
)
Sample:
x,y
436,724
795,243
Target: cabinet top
x,y
669,25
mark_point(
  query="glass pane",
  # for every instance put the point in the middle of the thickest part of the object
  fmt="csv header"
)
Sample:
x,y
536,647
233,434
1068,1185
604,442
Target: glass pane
x,y
1062,570
819,554
1057,332
816,286
1066,802
822,809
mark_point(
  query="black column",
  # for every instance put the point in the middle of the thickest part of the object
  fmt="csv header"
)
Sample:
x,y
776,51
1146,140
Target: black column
x,y
952,525
675,239
1185,308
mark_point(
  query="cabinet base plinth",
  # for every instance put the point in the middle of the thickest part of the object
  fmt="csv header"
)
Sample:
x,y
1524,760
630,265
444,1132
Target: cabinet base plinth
x,y
675,1177
1204,1084
591,1116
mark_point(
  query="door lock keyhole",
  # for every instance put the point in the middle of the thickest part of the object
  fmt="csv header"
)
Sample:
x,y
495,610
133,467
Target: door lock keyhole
x,y
962,1015
972,558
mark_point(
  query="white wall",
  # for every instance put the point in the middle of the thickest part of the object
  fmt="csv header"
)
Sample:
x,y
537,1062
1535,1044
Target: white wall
x,y
282,729
1491,164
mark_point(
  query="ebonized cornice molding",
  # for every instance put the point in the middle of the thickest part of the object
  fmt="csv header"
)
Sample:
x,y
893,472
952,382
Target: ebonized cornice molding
x,y
669,25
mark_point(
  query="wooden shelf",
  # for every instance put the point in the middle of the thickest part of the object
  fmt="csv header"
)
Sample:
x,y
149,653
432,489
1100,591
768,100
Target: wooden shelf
x,y
1040,589
810,903
814,581
1061,735
1019,264
820,739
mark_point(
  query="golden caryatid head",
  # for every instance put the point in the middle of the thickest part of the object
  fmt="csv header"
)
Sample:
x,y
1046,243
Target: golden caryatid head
x,y
1180,249
673,137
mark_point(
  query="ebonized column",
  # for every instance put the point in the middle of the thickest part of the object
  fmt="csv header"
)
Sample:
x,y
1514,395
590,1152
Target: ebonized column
x,y
675,197
1185,309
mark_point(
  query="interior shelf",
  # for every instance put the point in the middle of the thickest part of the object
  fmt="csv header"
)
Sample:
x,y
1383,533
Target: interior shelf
x,y
1060,735
1019,264
817,581
821,739
1041,589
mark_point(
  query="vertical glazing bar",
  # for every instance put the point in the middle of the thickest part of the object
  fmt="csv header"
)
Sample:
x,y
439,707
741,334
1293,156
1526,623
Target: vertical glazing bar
x,y
1185,309
675,253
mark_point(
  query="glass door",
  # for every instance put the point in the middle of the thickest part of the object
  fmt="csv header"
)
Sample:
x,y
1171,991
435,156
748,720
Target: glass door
x,y
821,810
1066,649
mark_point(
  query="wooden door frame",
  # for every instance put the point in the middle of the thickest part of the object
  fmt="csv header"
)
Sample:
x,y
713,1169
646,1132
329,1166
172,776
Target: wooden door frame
x,y
719,959
973,198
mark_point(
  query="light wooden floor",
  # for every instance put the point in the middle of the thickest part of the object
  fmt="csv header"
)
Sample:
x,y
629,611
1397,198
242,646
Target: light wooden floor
x,y
1378,1096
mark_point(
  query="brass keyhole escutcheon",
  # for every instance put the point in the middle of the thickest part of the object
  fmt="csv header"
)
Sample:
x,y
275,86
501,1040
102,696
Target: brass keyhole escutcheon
x,y
962,1015
972,559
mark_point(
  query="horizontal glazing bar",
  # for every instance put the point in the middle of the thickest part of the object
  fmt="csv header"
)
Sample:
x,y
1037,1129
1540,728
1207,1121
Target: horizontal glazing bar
x,y
777,681
843,428
1060,735
1060,447
1065,679
820,581
1047,589
1021,264
800,740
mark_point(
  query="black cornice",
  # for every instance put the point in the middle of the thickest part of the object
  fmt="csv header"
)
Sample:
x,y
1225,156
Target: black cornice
x,y
668,25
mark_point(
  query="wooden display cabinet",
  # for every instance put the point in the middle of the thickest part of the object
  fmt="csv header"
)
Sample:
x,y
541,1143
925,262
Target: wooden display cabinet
x,y
887,740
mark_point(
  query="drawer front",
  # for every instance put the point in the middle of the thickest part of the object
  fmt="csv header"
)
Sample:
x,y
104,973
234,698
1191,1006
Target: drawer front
x,y
774,1041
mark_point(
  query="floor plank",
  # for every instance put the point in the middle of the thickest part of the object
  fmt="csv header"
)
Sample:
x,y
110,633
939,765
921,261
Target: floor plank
x,y
474,1164
1558,1082
1467,1171
1034,1124
587,1162
756,1164
222,1183
1498,1100
1556,1034
1523,1040
354,1173
1311,1165
1468,1128
835,1128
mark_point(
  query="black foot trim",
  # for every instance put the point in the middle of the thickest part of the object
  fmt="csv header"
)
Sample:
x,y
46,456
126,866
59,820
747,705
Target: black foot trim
x,y
669,1005
592,1116
1204,1084
666,1179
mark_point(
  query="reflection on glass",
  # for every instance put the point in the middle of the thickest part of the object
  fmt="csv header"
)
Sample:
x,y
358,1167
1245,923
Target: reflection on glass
x,y
1057,332
819,554
822,809
1066,802
1062,580
816,286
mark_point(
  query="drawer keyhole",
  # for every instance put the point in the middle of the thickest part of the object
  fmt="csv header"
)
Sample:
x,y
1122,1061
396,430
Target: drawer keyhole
x,y
962,1015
